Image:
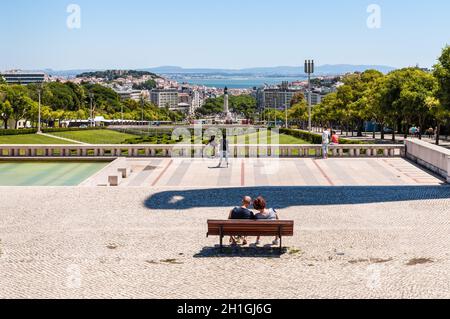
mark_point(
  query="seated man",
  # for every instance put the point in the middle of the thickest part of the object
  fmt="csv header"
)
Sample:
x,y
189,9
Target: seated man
x,y
242,213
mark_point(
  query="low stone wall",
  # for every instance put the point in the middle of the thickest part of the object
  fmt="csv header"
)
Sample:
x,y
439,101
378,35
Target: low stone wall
x,y
177,150
433,157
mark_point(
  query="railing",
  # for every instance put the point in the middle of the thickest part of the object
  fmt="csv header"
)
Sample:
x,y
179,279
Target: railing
x,y
184,150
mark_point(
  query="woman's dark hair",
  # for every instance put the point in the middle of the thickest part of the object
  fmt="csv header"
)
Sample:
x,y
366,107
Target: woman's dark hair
x,y
259,203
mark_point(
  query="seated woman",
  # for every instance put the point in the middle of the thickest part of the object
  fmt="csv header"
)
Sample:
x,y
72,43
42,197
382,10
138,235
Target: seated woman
x,y
334,138
265,214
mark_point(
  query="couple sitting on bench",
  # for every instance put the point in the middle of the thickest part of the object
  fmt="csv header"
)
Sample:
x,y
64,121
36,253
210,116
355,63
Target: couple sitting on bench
x,y
244,212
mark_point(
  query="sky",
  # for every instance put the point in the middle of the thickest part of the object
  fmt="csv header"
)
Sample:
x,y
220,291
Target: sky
x,y
34,34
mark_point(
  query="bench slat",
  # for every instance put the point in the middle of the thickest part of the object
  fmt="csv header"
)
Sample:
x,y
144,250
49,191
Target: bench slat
x,y
250,228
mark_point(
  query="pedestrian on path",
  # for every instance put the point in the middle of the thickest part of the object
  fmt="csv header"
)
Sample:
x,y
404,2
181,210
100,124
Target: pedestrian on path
x,y
325,142
224,150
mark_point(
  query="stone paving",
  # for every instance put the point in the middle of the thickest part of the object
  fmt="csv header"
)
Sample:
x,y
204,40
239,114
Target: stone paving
x,y
270,172
358,241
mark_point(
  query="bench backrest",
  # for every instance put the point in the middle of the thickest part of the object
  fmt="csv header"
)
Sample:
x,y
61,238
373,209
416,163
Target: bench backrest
x,y
250,228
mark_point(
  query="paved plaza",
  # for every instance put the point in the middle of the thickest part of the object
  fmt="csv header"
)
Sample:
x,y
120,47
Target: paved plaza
x,y
365,228
272,172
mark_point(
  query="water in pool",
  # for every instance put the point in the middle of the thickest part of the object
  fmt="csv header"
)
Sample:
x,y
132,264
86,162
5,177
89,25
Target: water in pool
x,y
47,173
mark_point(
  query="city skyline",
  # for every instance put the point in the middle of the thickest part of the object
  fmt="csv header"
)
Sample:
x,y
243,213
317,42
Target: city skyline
x,y
226,35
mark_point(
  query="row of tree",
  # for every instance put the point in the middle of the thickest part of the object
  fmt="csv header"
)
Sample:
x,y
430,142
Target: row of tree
x,y
401,99
69,101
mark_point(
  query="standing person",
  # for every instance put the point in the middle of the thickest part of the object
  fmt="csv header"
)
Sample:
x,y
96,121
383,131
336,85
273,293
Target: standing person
x,y
325,142
213,145
264,214
224,150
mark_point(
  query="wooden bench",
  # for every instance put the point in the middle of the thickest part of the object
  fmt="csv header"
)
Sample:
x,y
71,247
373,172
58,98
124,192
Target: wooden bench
x,y
222,228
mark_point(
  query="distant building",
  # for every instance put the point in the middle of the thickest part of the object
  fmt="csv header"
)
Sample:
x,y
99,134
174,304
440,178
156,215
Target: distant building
x,y
23,78
20,124
275,98
182,107
196,101
316,98
164,98
184,98
130,95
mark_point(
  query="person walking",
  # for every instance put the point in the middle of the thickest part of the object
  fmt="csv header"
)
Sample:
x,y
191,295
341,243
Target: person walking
x,y
325,142
212,145
224,150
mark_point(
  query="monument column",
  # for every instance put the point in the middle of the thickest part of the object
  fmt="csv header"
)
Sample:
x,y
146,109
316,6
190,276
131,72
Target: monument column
x,y
226,109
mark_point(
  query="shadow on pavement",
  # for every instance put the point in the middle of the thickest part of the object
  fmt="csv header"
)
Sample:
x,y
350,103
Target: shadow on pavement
x,y
285,197
241,252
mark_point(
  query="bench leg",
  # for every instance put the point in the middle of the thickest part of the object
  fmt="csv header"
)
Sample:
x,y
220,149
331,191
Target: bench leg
x,y
221,239
281,239
281,244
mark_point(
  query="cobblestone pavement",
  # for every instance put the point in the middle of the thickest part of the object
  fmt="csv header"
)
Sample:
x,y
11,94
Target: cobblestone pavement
x,y
350,242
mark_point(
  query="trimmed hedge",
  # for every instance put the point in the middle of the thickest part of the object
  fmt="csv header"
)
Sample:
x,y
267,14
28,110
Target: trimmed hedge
x,y
306,136
70,129
314,138
4,132
24,131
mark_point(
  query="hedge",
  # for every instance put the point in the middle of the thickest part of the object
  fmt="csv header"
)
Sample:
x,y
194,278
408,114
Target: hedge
x,y
314,138
4,132
306,136
70,129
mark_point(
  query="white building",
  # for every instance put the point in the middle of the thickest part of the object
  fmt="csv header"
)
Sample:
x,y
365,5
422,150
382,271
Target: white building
x,y
164,98
196,101
24,78
130,95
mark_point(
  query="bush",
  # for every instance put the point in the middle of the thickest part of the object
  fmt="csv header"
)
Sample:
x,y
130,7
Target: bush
x,y
18,132
70,129
24,131
314,138
306,136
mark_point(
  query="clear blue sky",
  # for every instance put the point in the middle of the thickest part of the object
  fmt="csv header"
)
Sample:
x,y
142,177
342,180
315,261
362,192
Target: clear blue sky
x,y
211,33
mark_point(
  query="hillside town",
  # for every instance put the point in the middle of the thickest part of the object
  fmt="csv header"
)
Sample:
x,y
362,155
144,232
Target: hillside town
x,y
182,97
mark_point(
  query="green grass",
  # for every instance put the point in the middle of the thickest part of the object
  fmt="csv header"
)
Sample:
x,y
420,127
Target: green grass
x,y
96,136
32,139
283,139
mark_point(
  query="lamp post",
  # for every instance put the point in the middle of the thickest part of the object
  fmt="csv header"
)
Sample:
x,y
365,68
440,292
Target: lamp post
x,y
286,110
142,105
39,130
91,121
309,69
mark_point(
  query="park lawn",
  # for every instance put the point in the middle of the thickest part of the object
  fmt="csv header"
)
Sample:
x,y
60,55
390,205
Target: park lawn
x,y
96,136
31,139
284,139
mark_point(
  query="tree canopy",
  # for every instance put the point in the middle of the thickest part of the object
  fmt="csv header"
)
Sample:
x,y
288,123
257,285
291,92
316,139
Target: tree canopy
x,y
65,101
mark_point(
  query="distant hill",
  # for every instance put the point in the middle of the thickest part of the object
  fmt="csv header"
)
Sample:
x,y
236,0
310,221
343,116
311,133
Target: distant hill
x,y
111,75
327,69
271,71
